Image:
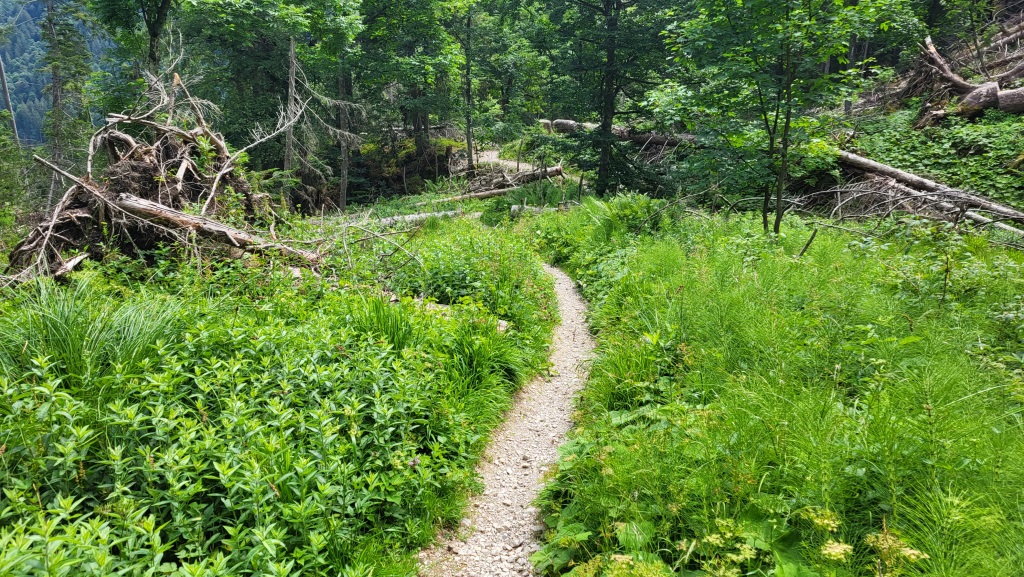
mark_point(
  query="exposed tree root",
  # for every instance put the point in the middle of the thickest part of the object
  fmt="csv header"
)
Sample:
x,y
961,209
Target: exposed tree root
x,y
151,175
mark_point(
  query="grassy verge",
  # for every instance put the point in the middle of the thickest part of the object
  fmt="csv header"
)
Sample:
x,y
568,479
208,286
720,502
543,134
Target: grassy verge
x,y
852,412
190,419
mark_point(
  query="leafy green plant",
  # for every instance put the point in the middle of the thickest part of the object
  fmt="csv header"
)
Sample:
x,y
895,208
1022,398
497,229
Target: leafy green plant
x,y
255,423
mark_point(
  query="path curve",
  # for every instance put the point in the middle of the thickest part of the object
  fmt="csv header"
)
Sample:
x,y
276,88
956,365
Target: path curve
x,y
500,532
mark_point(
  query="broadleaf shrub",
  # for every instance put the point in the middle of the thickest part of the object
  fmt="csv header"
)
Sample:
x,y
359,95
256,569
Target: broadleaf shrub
x,y
234,420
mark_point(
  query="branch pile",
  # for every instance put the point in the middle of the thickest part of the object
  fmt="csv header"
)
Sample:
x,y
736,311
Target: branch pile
x,y
886,189
162,166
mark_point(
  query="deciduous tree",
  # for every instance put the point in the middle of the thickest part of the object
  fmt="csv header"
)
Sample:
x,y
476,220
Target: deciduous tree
x,y
765,60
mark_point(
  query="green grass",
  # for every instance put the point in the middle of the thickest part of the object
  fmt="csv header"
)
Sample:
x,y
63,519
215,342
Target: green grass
x,y
755,413
88,335
192,418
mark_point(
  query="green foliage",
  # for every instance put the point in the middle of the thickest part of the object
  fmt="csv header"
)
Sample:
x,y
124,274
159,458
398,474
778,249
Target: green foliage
x,y
752,412
981,156
406,166
485,266
761,66
87,336
253,423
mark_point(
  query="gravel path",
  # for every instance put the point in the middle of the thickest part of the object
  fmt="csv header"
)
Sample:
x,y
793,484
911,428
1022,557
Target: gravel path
x,y
500,532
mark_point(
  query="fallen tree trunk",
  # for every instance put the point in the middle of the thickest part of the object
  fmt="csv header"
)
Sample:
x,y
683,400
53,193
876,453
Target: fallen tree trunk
x,y
519,209
564,126
943,196
156,213
160,215
140,201
502,186
473,195
417,218
920,183
968,214
975,98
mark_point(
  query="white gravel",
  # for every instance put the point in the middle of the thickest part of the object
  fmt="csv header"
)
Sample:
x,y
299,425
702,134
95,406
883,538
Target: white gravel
x,y
500,532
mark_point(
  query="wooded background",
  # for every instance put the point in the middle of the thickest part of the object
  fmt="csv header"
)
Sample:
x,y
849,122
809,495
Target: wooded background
x,y
394,91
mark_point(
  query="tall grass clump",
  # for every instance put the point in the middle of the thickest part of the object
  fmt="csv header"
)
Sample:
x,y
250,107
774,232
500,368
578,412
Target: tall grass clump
x,y
253,423
83,331
852,412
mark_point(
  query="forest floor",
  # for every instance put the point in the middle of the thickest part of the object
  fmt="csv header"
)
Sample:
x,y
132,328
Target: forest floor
x,y
500,531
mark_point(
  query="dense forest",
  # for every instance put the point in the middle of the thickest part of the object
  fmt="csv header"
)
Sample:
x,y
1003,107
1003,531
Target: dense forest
x,y
389,89
600,288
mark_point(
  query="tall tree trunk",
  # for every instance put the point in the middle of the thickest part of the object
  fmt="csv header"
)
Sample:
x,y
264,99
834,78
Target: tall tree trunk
x,y
7,100
420,122
289,135
155,18
344,98
56,123
608,92
766,204
469,90
780,185
936,11
154,52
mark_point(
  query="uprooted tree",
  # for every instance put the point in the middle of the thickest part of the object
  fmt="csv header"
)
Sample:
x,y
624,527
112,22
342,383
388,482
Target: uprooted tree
x,y
167,177
1001,69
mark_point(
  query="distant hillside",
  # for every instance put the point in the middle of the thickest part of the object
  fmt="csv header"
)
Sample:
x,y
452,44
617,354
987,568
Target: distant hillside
x,y
23,52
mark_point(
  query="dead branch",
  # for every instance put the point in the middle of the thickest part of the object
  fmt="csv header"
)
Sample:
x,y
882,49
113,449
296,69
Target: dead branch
x,y
938,63
920,183
285,120
888,189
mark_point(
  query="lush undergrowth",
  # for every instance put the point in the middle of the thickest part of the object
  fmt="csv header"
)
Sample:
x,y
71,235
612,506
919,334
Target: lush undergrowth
x,y
980,155
852,412
238,420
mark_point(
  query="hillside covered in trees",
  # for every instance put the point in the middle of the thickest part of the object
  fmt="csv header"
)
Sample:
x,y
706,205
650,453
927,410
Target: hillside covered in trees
x,y
278,296
394,92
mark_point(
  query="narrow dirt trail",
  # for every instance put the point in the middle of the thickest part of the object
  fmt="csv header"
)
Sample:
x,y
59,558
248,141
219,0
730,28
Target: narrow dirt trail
x,y
500,532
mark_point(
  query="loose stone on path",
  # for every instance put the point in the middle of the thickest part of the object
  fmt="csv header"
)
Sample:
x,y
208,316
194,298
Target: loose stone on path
x,y
501,530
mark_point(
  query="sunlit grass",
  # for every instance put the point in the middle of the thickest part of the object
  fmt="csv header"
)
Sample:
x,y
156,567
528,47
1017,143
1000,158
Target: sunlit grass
x,y
755,412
